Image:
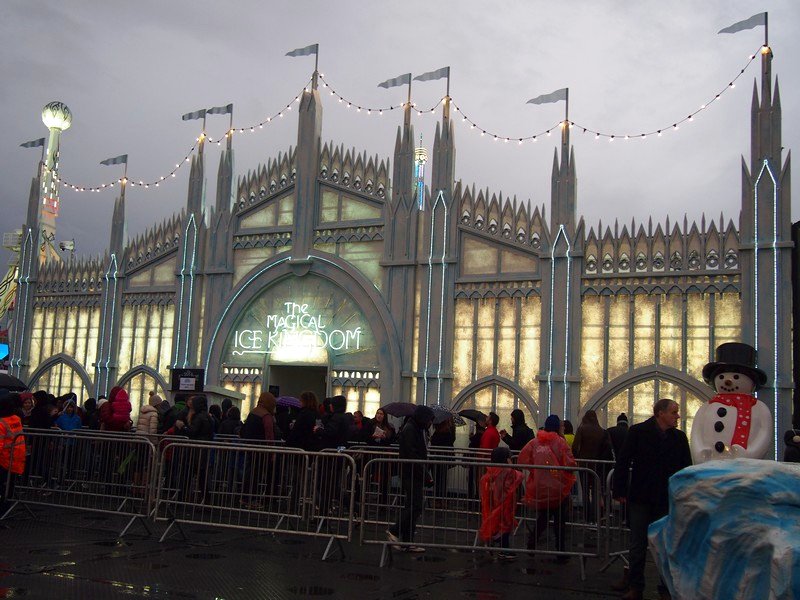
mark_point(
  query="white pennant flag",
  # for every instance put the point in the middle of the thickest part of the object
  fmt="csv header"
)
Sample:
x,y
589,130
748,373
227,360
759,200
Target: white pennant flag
x,y
312,49
754,21
556,96
431,75
396,81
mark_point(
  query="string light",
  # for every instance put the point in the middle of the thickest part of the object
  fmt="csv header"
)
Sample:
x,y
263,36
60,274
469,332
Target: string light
x,y
371,109
202,136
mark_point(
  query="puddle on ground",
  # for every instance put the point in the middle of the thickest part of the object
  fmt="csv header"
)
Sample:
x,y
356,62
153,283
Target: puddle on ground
x,y
50,552
204,556
360,577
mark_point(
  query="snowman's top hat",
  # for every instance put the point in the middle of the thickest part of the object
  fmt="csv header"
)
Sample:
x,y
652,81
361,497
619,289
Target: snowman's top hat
x,y
735,357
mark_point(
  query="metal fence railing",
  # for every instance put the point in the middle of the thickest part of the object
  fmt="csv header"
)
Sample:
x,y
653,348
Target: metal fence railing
x,y
256,487
450,514
106,473
267,487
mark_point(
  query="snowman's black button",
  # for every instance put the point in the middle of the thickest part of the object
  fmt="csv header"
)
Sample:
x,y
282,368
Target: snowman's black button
x,y
719,426
719,447
722,411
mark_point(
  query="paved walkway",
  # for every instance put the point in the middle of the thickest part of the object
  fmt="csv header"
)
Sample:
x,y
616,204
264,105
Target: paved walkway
x,y
68,554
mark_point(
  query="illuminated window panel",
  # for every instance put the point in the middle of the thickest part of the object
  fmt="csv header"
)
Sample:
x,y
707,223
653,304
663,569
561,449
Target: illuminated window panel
x,y
727,318
354,209
164,272
507,341
70,330
372,402
485,347
265,216
167,324
697,334
153,337
529,339
82,333
643,399
671,343
198,350
516,262
592,346
126,339
58,330
616,406
618,336
462,349
478,257
245,259
644,330
139,335
286,210
329,206
688,413
91,343
47,334
506,402
366,257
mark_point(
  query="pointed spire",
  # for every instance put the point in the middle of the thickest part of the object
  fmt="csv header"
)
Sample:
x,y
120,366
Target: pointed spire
x,y
118,226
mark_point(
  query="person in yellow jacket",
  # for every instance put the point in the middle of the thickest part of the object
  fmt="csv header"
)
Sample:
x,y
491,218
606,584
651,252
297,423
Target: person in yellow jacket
x,y
12,450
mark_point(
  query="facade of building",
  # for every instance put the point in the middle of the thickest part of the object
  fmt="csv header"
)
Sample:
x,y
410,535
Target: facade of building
x,y
320,270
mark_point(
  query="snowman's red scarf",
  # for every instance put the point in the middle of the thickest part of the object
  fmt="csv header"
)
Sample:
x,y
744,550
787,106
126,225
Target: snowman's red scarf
x,y
744,405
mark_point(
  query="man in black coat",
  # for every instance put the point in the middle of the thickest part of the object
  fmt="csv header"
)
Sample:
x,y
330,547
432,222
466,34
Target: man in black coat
x,y
653,451
413,446
521,434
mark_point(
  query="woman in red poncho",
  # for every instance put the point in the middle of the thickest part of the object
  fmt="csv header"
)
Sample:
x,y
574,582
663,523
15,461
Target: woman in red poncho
x,y
499,500
547,490
117,415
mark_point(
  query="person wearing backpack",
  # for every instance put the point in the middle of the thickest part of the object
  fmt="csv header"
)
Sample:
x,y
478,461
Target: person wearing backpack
x,y
547,490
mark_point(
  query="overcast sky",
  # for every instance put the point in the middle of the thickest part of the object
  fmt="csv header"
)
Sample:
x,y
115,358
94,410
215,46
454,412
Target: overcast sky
x,y
129,70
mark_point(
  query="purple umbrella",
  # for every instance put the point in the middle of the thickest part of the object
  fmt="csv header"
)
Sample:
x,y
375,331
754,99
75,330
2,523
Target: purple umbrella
x,y
290,401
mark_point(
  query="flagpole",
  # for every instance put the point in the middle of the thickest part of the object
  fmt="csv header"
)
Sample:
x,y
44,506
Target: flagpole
x,y
766,29
316,70
566,110
230,130
446,114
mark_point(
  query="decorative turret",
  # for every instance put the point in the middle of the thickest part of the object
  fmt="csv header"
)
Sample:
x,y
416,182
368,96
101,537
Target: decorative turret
x,y
440,249
309,132
765,247
401,226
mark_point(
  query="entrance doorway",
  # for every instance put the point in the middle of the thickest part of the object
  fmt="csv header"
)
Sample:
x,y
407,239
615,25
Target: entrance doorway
x,y
291,380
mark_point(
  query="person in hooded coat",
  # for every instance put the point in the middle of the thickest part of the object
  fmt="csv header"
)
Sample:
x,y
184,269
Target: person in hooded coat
x,y
337,426
232,424
147,422
413,446
91,417
69,420
592,444
42,412
260,427
499,500
547,490
117,417
303,433
12,447
521,434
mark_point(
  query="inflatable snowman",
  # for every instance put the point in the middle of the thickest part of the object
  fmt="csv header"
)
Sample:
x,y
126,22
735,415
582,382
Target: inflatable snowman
x,y
733,424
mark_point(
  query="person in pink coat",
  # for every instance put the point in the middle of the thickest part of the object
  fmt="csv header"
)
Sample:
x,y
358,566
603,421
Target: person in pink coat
x,y
118,416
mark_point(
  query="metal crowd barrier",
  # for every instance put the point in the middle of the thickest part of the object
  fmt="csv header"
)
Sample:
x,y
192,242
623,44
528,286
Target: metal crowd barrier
x,y
450,511
101,472
255,487
615,528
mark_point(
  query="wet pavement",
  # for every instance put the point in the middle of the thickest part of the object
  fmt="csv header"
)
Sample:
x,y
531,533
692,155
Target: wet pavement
x,y
69,554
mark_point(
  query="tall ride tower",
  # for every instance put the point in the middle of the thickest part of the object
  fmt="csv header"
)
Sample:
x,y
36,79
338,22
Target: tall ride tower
x,y
57,117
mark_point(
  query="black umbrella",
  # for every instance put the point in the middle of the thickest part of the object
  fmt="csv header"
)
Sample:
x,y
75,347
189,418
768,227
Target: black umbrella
x,y
11,383
399,409
473,415
440,413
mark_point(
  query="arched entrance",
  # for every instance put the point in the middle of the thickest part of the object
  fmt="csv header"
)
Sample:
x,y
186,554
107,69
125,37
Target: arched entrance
x,y
138,382
635,392
60,374
500,395
286,314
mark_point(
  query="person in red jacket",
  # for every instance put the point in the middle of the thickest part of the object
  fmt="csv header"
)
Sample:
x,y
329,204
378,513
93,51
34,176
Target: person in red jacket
x,y
499,501
117,415
547,490
12,450
491,437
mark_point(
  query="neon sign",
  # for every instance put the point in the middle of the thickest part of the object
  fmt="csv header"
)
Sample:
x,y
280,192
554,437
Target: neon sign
x,y
294,329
